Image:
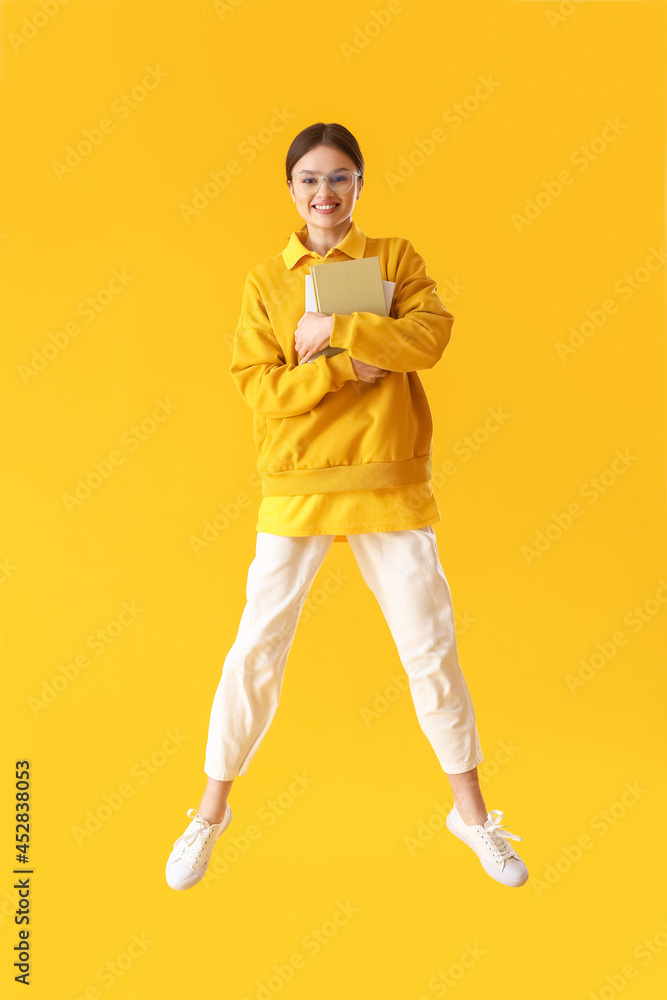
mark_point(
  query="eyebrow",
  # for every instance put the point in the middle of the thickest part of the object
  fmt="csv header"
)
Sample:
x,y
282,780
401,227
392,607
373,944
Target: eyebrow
x,y
313,171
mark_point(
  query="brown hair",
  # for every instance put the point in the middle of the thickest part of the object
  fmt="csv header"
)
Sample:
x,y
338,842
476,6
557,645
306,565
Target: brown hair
x,y
327,134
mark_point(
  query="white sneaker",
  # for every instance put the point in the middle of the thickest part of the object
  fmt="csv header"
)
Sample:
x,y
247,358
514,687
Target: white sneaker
x,y
189,859
489,842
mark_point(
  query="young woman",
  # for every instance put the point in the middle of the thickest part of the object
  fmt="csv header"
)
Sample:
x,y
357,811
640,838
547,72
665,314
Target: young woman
x,y
352,463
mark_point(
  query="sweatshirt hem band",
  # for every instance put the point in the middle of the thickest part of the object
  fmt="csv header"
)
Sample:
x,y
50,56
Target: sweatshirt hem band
x,y
342,478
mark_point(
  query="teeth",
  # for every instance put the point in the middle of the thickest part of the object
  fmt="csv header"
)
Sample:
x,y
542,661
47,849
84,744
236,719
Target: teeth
x,y
328,208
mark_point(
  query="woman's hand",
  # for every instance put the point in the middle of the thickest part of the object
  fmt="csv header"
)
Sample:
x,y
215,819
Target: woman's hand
x,y
312,334
368,373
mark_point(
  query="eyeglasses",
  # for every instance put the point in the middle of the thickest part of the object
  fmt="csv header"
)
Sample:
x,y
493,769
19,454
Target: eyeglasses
x,y
340,181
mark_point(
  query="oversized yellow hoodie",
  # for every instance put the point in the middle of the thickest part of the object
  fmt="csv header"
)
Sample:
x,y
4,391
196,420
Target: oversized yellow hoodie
x,y
318,429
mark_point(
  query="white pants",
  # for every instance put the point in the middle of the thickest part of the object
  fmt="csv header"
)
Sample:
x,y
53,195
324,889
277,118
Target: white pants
x,y
402,569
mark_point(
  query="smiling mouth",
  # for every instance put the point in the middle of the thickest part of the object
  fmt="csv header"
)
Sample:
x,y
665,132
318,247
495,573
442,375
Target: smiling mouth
x,y
326,207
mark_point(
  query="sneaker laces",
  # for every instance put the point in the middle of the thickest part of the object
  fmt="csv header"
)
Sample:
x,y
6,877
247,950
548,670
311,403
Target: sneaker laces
x,y
191,843
497,837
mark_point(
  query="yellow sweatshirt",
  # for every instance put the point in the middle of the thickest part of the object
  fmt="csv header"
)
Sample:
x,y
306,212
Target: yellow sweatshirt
x,y
337,455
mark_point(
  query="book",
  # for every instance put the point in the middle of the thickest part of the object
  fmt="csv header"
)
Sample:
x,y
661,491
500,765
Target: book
x,y
345,292
348,286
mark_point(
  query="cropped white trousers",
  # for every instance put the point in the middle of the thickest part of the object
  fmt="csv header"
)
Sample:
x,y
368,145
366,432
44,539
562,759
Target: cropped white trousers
x,y
403,570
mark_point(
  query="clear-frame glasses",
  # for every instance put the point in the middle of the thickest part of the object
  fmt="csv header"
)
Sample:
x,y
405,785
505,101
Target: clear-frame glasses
x,y
340,181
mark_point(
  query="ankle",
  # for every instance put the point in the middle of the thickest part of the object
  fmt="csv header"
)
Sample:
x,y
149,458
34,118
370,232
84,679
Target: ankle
x,y
472,815
213,816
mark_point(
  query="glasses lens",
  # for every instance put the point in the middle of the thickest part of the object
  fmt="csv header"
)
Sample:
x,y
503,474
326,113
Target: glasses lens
x,y
340,182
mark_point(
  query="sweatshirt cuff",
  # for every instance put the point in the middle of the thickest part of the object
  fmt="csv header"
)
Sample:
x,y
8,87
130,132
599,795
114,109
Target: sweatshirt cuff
x,y
340,331
341,368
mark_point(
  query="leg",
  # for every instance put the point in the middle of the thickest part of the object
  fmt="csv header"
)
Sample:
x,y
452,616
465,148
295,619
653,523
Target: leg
x,y
468,797
213,804
248,691
247,694
402,568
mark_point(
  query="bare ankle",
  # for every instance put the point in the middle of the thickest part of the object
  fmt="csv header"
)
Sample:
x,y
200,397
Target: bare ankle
x,y
212,816
213,805
471,815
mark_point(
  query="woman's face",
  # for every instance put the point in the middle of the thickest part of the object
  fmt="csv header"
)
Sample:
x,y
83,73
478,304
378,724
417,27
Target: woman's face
x,y
324,160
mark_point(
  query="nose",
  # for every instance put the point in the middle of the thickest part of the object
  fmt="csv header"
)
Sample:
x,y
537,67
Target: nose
x,y
324,183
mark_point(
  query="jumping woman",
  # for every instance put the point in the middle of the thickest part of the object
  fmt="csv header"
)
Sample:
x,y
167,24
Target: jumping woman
x,y
352,463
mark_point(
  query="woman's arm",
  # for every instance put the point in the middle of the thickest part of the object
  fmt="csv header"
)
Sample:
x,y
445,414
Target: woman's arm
x,y
267,384
416,339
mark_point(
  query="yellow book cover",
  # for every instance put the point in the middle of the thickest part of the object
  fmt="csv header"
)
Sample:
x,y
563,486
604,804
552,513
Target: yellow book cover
x,y
349,286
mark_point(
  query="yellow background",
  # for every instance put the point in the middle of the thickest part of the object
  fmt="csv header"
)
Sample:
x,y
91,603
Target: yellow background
x,y
523,624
